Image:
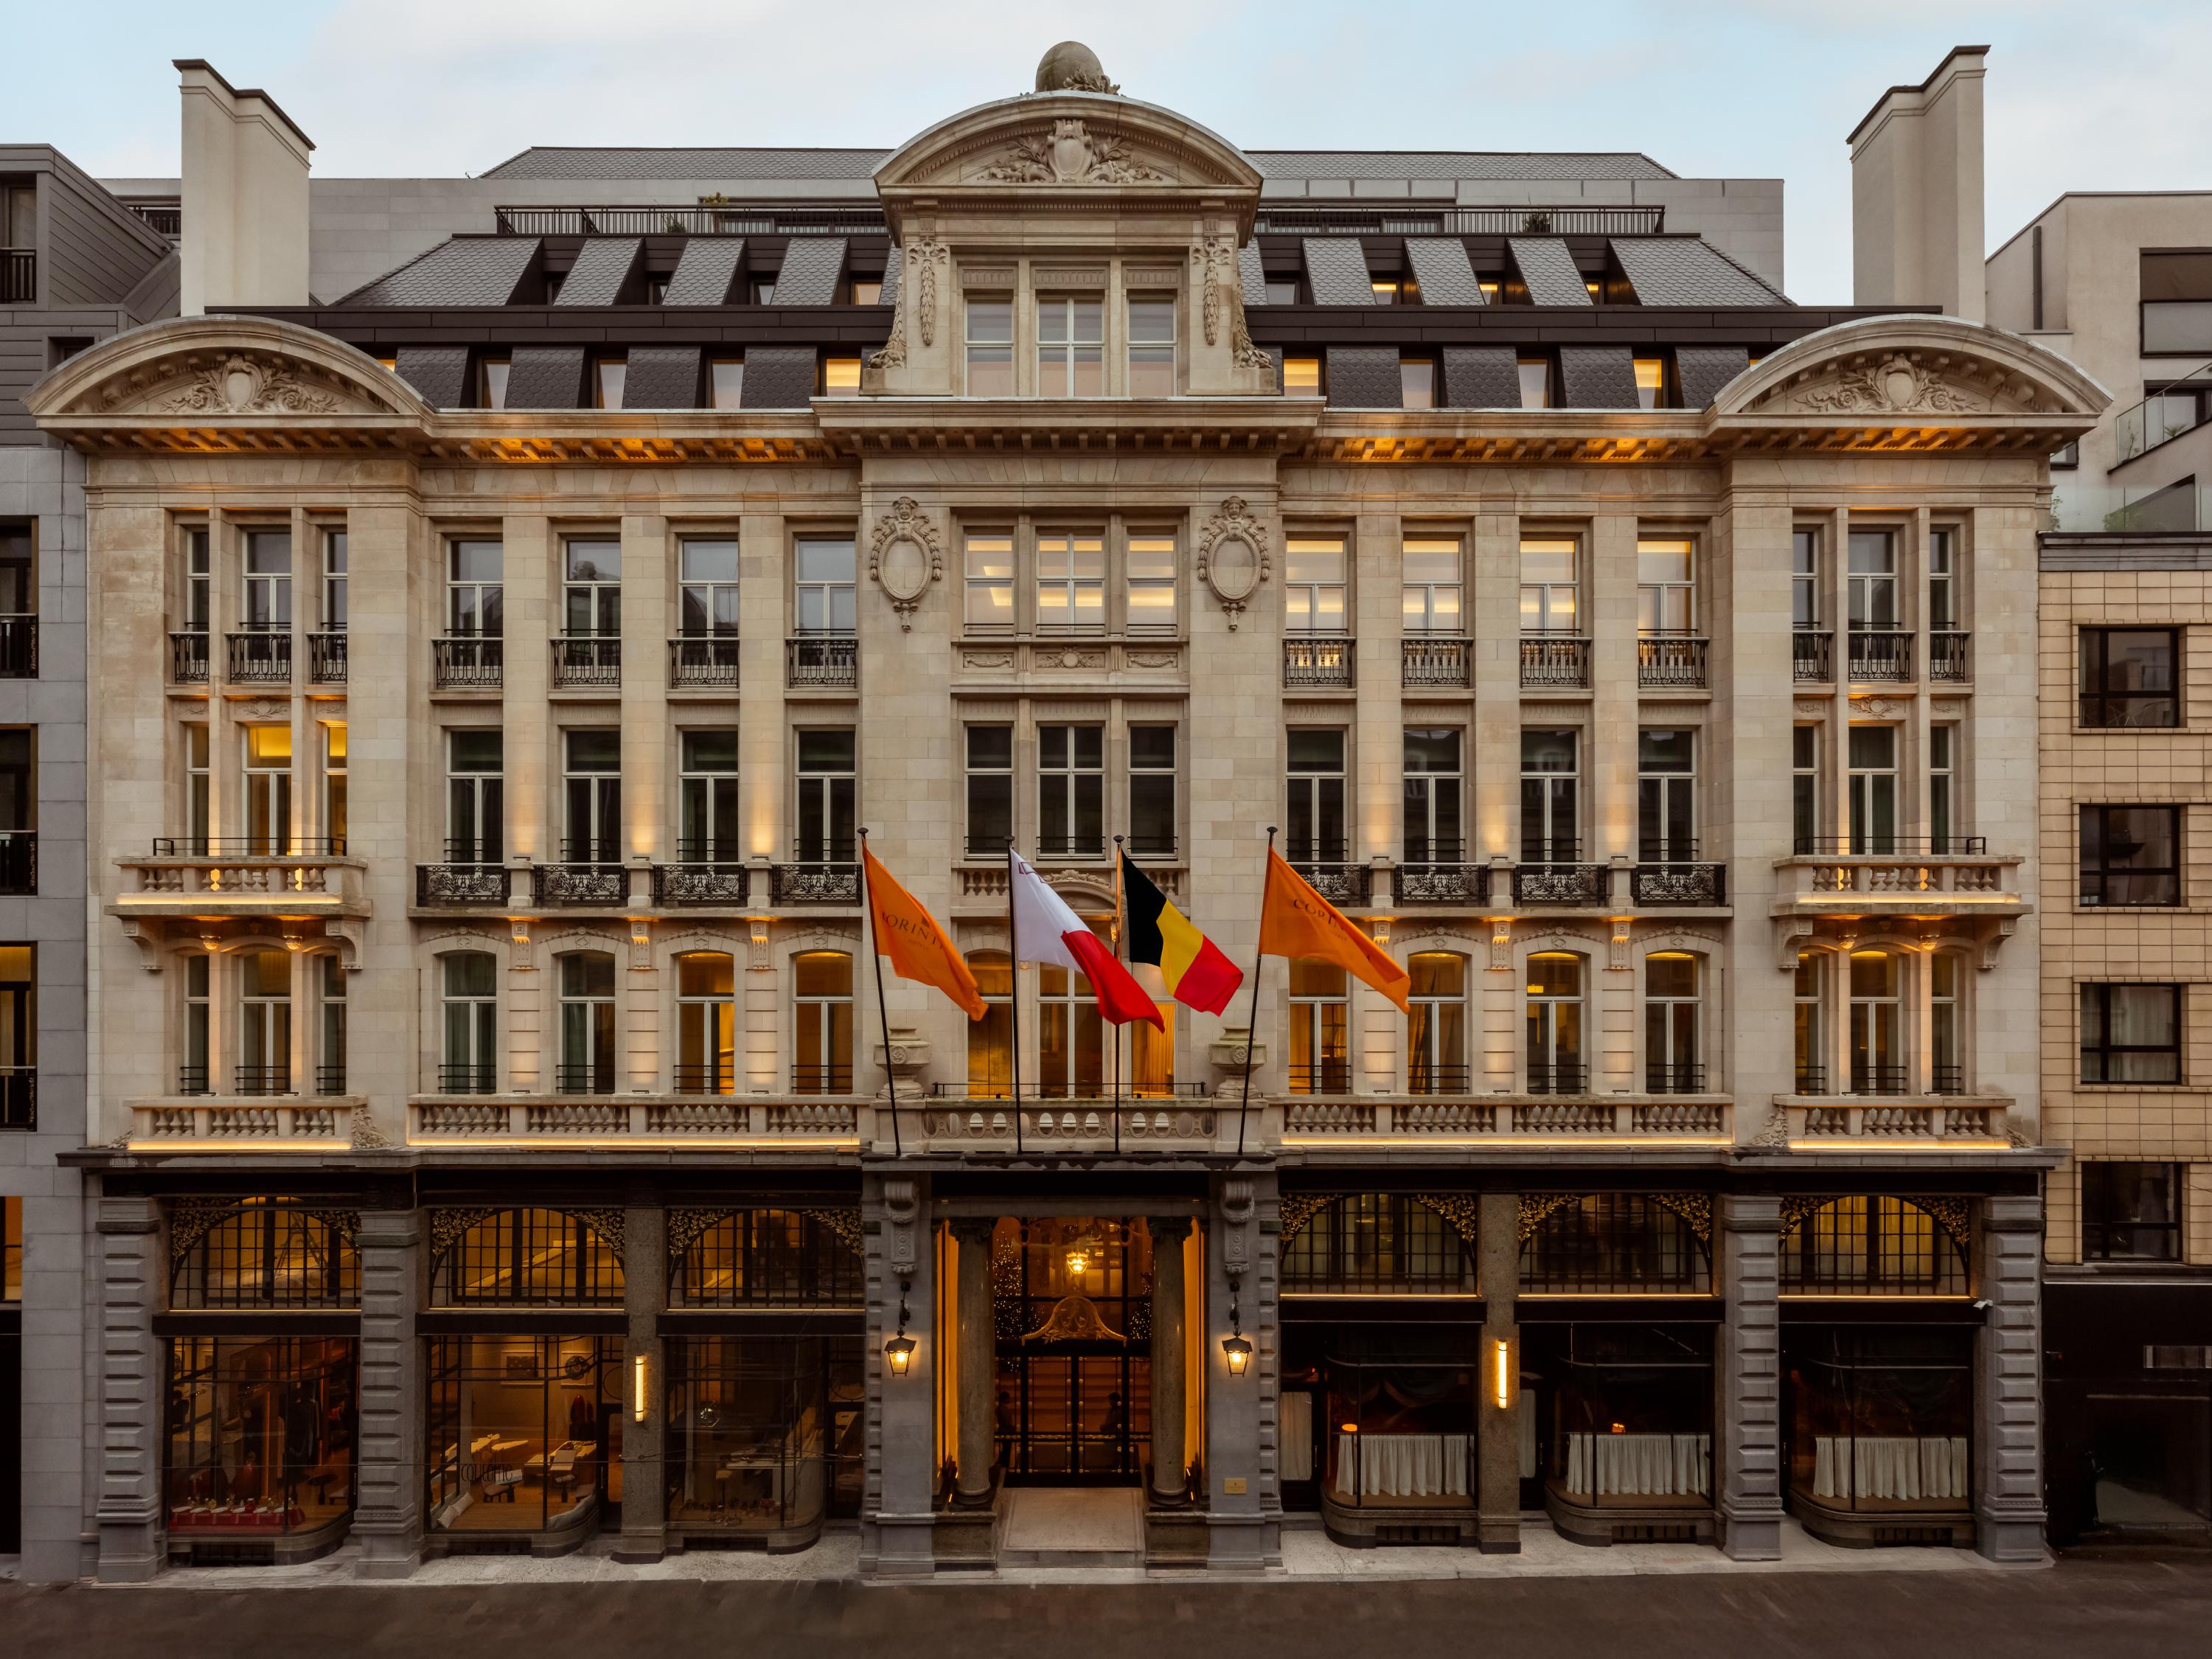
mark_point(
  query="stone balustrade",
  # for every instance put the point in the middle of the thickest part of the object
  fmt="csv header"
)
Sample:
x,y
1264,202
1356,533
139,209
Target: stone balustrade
x,y
187,884
312,1124
1702,1120
1976,1121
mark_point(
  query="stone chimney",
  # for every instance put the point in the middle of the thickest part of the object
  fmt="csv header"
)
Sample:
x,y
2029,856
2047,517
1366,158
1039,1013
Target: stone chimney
x,y
245,196
1917,193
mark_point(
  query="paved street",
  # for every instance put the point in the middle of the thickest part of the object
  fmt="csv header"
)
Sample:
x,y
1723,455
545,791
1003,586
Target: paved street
x,y
2081,1609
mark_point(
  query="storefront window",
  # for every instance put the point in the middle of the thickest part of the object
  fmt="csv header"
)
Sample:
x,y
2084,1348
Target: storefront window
x,y
1378,1242
1880,1416
1615,1244
765,1432
263,1255
524,1432
260,1436
1630,1413
766,1259
1401,1418
1871,1247
546,1258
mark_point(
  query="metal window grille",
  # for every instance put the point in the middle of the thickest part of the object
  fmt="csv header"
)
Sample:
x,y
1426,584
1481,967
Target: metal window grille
x,y
768,1259
1615,1244
1876,1246
528,1258
269,1255
1371,1242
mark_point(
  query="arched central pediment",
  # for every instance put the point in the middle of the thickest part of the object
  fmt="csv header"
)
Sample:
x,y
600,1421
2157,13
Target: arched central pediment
x,y
1912,366
209,371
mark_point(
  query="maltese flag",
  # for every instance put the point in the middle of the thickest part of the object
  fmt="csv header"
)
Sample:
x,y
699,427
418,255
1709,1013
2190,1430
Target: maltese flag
x,y
1045,930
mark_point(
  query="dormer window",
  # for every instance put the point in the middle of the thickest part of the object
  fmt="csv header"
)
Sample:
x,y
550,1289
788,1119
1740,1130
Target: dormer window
x,y
1071,346
1283,292
1386,292
609,374
867,290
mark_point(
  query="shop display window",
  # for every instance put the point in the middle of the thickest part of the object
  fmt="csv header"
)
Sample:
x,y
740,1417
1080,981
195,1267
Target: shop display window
x,y
765,1432
1630,1412
1880,1416
1876,1246
1401,1419
525,1432
260,1440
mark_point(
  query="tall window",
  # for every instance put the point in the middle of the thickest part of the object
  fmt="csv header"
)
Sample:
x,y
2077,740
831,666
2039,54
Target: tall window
x,y
990,1039
591,593
592,797
1417,382
990,790
1070,791
1071,1043
1320,1019
334,582
611,376
331,1077
1872,580
264,1009
828,808
2131,1212
476,811
1944,608
1071,346
1876,1033
2130,1033
1673,1060
827,600
469,999
1665,586
1314,587
1316,797
1151,584
195,786
268,581
197,576
1071,584
990,583
1805,787
268,780
1551,591
193,1075
1535,374
1429,569
708,602
475,596
1152,791
990,346
1436,1031
2130,855
2130,676
1550,784
822,984
725,383
1874,789
588,1024
334,786
1946,1032
1811,1031
1666,795
1805,578
706,1022
1943,785
708,799
1555,1023
1151,345
1432,785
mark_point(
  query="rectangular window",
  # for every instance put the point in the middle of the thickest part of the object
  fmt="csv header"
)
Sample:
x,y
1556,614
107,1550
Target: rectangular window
x,y
828,806
196,566
1315,819
1947,1073
1151,584
1070,791
827,600
334,786
1873,580
334,582
592,797
2130,855
990,346
268,581
1942,787
196,776
1301,377
1551,591
2130,676
2177,302
475,602
990,790
2131,1212
1151,345
491,383
609,375
1667,792
19,593
707,798
192,1073
1071,346
469,1056
1811,1058
1417,382
990,583
1152,791
1386,292
1433,786
1536,382
1943,610
708,576
476,811
1805,788
268,781
1874,789
591,590
1071,584
331,1065
841,377
1430,567
2131,1033
1314,585
1666,587
867,290
1805,578
1650,382
1551,798
725,383
1282,291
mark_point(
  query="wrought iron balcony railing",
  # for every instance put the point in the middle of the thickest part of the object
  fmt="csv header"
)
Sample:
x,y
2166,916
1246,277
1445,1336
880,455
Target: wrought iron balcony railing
x,y
833,1079
330,1080
1432,660
19,648
1669,882
821,661
1317,662
258,659
589,873
1555,660
1880,654
1426,881
468,661
1872,1079
1324,1077
460,884
1423,1078
1339,884
1558,1077
590,1076
467,1078
327,658
1677,1078
1812,1079
1949,657
703,659
701,881
710,1078
813,883
587,659
1670,659
1559,884
1812,654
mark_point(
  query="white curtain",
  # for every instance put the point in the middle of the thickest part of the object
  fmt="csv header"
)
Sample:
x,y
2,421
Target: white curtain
x,y
1402,1465
1640,1465
1296,1418
1900,1468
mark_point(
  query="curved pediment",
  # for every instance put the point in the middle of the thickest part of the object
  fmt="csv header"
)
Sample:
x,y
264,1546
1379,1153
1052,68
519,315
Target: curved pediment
x,y
209,371
1926,368
1068,142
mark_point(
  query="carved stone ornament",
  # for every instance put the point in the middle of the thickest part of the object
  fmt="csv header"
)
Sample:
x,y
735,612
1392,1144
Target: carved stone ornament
x,y
1073,1319
1070,154
1071,66
240,383
1876,708
904,557
1811,709
1221,291
1232,556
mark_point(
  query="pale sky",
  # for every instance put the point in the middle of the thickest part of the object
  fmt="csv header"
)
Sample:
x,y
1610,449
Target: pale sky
x,y
2082,94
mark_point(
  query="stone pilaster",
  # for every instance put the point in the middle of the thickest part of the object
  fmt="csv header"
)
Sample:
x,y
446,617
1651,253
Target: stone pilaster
x,y
2008,1509
978,1370
896,1518
1244,1505
131,1272
388,1445
645,1294
1498,1458
1169,1355
1747,1466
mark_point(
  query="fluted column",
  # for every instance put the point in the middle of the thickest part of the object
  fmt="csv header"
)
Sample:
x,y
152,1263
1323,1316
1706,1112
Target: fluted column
x,y
1168,1359
978,1368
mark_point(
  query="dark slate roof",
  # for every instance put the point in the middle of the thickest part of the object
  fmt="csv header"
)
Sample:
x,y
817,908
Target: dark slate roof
x,y
1336,271
811,266
1701,371
1252,274
1481,377
706,271
1452,164
892,261
662,377
602,271
468,270
1597,377
1549,270
545,377
1365,376
1682,271
440,374
1440,266
557,163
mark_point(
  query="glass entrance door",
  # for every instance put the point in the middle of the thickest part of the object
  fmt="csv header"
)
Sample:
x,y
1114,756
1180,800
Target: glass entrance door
x,y
1077,1418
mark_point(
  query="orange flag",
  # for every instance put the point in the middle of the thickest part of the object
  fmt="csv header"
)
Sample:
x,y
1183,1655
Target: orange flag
x,y
1299,922
909,936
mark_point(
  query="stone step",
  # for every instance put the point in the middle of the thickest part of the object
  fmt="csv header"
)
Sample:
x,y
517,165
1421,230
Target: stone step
x,y
1072,1528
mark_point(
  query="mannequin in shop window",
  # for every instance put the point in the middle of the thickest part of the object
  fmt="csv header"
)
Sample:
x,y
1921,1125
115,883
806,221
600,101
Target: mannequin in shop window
x,y
582,1423
1117,1416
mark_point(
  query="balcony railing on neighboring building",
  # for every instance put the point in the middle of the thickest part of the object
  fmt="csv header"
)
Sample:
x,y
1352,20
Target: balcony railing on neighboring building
x,y
327,658
588,873
1812,1079
467,1079
258,659
2166,411
1555,660
593,1077
1948,655
1461,221
587,659
1670,659
701,221
1678,1078
468,661
188,659
1880,654
703,659
1558,1077
1430,660
809,880
1317,662
1946,1080
1875,844
18,276
711,1079
706,873
19,1097
821,661
1558,876
1812,654
19,648
19,861
1069,847
460,884
1666,882
263,1079
1433,875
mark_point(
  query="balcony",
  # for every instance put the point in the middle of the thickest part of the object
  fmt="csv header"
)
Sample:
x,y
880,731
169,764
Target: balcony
x,y
1899,1119
1558,1077
1434,875
1558,877
1423,1080
466,1078
1079,847
589,873
1338,883
1554,661
327,658
19,648
1876,876
587,659
19,1097
1317,662
19,861
1679,1078
810,882
468,662
463,1116
707,874
1426,660
1671,661
704,660
330,1080
258,659
260,1121
191,876
712,1079
1537,1116
188,659
437,884
1880,654
1670,883
1186,1122
1812,656
822,662
251,1081
18,276
1948,655
2173,408
585,1077
1322,1076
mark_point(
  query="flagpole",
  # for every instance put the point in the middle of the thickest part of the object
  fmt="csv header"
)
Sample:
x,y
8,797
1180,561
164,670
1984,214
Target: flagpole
x,y
1014,993
1252,1030
1118,931
883,1009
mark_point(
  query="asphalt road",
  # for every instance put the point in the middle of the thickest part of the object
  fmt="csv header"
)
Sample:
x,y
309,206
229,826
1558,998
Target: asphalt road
x,y
2081,1610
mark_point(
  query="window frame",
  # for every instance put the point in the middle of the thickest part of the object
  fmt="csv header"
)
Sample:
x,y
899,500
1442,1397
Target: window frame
x,y
835,1073
833,595
972,342
1145,815
1543,590
1168,301
1072,350
1323,802
827,847
1149,620
2097,642
1316,590
2104,872
1080,785
987,787
1065,582
2099,994
2099,1226
1428,626
334,617
991,545
601,596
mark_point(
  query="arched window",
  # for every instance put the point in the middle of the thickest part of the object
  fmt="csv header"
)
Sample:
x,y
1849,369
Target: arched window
x,y
265,1010
1555,1023
263,1255
1877,1024
468,988
1615,1244
1320,1056
1436,1031
766,1259
706,1024
1872,1246
1071,1046
1674,1054
1378,1242
525,1258
821,997
588,1024
991,1039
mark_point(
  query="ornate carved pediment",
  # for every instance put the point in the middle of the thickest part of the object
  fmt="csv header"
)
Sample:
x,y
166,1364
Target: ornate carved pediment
x,y
225,383
209,370
1918,367
1072,152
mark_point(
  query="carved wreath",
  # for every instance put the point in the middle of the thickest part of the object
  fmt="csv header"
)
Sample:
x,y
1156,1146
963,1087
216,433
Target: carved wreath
x,y
904,557
1896,385
1232,556
1070,155
917,296
1222,289
241,385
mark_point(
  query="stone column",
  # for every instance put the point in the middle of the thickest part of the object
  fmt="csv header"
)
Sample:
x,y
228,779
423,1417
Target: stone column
x,y
2008,1512
1748,1362
645,1293
130,1394
1169,1356
1498,1458
1244,1505
978,1371
388,1441
897,1520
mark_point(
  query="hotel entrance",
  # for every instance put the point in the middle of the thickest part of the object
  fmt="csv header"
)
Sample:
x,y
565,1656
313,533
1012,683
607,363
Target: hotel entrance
x,y
1072,1309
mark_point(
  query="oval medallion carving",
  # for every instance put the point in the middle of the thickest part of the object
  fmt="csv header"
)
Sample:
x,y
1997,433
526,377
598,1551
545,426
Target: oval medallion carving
x,y
904,557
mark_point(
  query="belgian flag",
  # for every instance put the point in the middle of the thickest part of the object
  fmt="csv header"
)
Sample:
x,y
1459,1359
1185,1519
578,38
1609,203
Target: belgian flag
x,y
1197,975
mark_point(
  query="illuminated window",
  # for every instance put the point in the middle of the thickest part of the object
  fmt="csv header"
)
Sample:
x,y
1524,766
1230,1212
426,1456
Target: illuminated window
x,y
1672,1058
268,783
1435,1029
1071,584
990,582
990,1039
841,377
1666,587
1551,589
1314,585
1430,567
1555,1023
1301,377
1319,1017
1386,293
868,291
707,1023
1152,578
1650,382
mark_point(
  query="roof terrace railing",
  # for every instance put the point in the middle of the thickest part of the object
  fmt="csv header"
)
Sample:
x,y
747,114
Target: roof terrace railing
x,y
1462,221
2171,409
707,219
